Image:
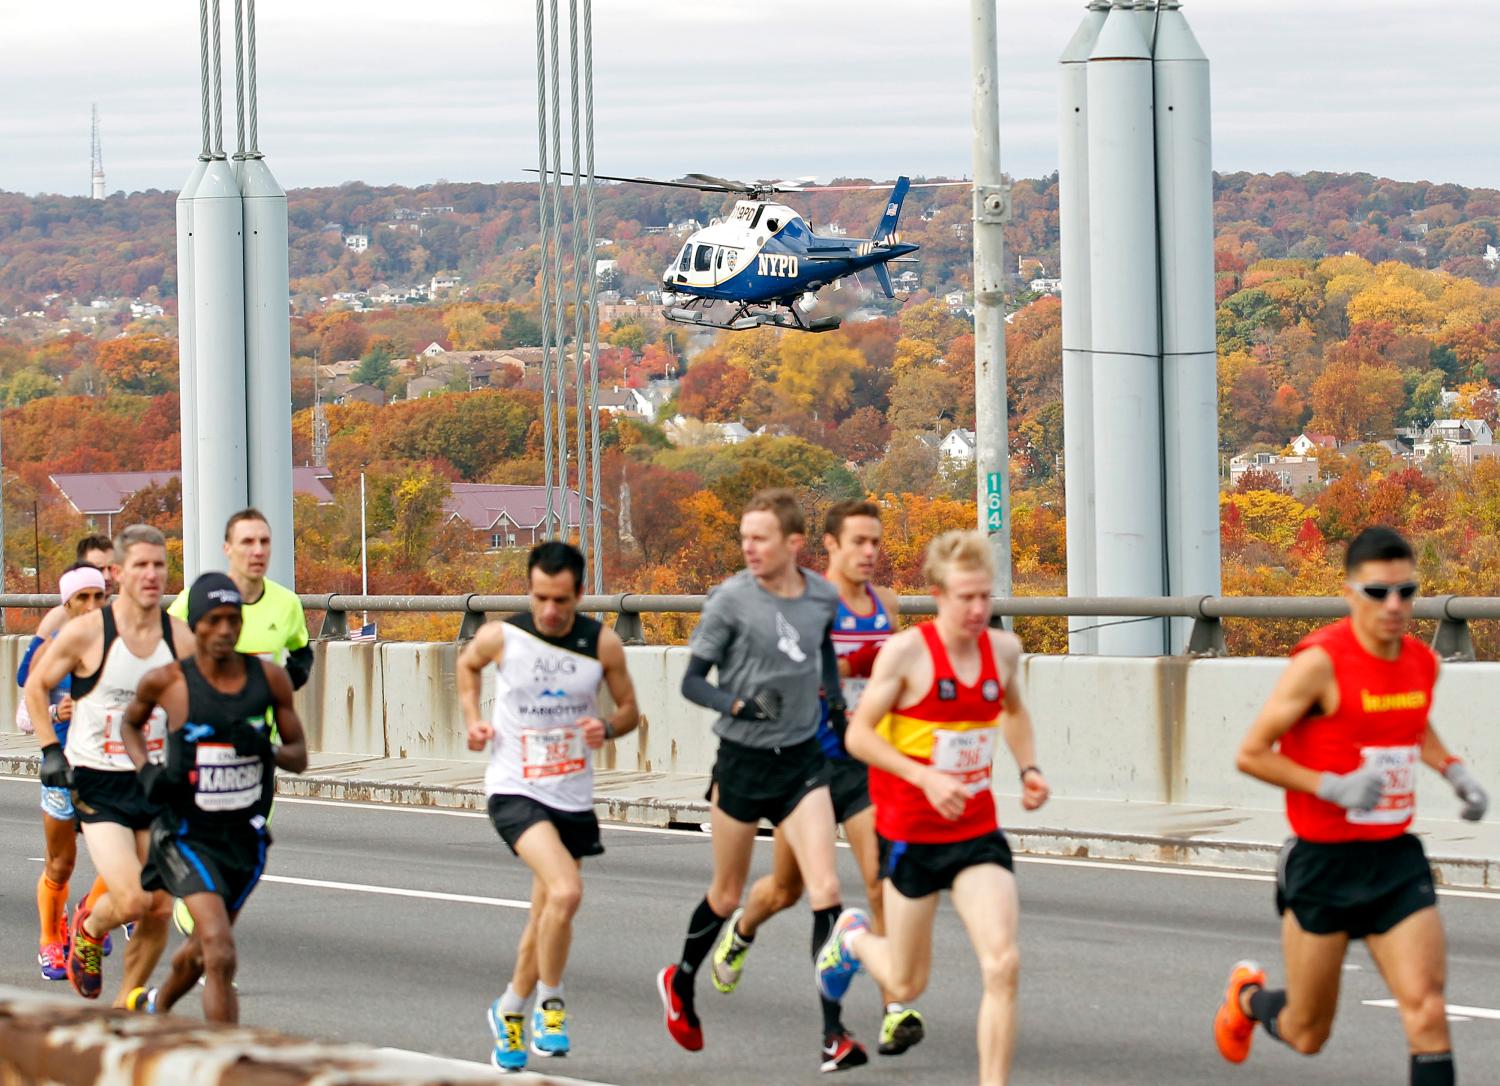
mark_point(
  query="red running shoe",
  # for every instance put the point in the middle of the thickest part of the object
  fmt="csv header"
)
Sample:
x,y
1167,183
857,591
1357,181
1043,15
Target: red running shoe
x,y
682,1023
85,959
1233,1028
841,1052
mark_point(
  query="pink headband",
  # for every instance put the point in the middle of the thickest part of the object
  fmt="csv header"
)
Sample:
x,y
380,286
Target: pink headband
x,y
75,580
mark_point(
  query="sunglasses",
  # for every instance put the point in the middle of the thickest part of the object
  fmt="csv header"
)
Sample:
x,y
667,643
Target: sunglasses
x,y
1373,590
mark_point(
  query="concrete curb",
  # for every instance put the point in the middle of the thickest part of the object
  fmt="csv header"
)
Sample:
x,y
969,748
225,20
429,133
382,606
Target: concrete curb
x,y
1054,841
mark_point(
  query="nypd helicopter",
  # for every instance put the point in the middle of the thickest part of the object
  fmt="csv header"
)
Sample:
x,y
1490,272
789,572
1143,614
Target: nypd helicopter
x,y
762,263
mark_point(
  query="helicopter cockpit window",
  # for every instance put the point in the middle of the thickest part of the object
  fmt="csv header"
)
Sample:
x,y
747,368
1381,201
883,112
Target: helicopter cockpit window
x,y
703,259
685,259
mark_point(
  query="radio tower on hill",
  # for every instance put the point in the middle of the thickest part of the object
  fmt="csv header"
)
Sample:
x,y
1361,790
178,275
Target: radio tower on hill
x,y
97,157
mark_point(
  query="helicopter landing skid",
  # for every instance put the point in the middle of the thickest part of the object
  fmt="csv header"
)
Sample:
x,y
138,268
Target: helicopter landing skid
x,y
747,316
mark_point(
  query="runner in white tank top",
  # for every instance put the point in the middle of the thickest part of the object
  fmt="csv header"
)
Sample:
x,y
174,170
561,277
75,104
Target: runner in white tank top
x,y
107,653
542,734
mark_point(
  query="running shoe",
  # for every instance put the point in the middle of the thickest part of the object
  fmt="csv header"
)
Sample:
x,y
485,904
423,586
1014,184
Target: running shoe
x,y
901,1029
181,917
509,1053
549,1028
682,1023
53,958
729,956
108,944
841,1052
1233,1028
141,1000
835,965
85,960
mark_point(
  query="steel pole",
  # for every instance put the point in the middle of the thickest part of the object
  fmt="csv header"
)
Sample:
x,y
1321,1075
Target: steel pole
x,y
1190,394
1124,328
1077,363
991,212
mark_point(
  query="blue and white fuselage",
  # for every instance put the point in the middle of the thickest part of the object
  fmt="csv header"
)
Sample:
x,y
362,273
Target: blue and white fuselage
x,y
764,254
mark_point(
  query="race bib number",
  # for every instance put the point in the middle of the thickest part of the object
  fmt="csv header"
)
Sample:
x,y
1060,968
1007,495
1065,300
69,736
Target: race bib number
x,y
1398,797
227,781
966,755
552,752
156,737
852,689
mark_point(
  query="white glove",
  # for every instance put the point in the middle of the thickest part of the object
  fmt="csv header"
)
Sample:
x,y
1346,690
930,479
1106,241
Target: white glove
x,y
23,720
1475,799
1357,791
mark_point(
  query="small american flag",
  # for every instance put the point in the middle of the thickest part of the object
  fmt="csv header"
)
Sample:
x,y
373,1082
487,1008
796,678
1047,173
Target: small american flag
x,y
363,633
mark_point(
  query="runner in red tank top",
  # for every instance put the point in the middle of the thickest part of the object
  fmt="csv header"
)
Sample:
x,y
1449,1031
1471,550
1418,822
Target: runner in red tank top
x,y
1343,733
939,699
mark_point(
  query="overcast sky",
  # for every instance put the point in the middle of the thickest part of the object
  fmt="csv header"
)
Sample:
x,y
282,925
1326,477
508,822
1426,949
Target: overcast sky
x,y
395,91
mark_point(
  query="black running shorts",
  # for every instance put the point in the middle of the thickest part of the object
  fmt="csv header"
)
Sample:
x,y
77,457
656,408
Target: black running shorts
x,y
918,870
754,782
850,787
1356,887
228,864
111,796
514,815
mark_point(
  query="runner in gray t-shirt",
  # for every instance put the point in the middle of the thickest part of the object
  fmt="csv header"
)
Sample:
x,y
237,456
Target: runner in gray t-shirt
x,y
767,631
763,642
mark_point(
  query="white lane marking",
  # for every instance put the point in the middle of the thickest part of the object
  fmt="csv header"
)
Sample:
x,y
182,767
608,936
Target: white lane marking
x,y
397,891
470,1066
1058,861
1456,1012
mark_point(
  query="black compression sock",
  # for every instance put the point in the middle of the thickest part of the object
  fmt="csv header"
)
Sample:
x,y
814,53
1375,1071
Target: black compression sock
x,y
1433,1069
823,921
703,931
1265,1005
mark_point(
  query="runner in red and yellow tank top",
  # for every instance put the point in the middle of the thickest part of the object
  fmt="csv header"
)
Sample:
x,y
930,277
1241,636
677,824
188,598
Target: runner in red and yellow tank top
x,y
1343,733
939,699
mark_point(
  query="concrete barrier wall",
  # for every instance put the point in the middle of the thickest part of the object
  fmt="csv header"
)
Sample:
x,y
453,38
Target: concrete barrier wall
x,y
1148,730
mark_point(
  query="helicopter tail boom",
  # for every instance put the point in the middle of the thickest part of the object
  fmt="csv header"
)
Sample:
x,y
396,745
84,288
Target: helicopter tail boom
x,y
885,230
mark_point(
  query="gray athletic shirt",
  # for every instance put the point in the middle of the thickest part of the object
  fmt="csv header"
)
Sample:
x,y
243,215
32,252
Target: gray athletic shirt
x,y
759,639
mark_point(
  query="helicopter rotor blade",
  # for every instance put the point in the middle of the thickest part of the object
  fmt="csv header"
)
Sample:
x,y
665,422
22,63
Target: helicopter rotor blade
x,y
722,182
647,181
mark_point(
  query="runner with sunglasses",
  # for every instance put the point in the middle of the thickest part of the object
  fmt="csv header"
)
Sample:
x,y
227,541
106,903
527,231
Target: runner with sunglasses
x,y
1343,733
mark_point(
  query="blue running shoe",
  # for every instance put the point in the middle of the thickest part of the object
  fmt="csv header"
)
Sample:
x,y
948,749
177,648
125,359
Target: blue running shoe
x,y
835,965
509,1053
549,1029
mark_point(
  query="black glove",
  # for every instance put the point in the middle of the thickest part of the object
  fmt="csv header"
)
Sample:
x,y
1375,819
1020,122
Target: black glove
x,y
838,718
254,740
55,770
763,706
154,782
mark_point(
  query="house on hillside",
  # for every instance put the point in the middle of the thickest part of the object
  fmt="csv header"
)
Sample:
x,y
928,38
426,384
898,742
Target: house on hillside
x,y
1461,441
361,393
356,243
432,350
1045,285
1293,472
958,446
505,515
100,496
444,281
1305,443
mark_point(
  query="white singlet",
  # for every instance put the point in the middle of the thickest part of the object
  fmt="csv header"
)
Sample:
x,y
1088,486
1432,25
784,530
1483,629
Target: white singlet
x,y
543,687
94,736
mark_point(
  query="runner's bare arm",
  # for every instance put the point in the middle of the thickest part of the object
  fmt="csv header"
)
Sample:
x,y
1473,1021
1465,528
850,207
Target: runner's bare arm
x,y
62,656
621,690
291,752
486,648
1303,686
881,695
148,695
52,621
183,641
892,604
1015,721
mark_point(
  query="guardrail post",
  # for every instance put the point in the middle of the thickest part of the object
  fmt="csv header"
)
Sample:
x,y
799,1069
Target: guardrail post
x,y
472,621
1207,636
1452,640
628,624
335,623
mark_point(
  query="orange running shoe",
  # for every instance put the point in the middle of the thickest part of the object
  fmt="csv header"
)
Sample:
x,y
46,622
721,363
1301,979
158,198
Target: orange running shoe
x,y
1233,1028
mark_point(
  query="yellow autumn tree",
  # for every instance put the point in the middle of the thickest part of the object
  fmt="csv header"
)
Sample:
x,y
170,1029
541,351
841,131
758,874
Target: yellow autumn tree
x,y
1268,517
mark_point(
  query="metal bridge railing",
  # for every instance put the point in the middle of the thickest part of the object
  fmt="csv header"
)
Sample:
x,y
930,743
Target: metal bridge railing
x,y
1451,641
